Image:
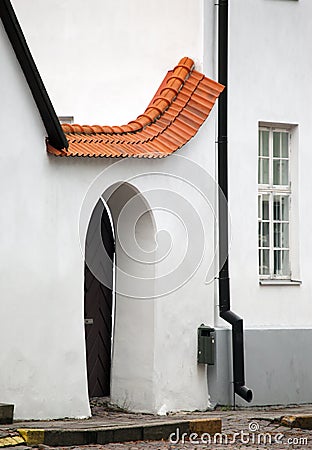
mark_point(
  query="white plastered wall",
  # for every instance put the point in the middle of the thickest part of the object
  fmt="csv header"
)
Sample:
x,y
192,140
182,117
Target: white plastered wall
x,y
42,262
269,81
102,61
42,344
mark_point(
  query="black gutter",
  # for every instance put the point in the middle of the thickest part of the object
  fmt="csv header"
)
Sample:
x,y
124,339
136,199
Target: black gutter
x,y
224,281
15,34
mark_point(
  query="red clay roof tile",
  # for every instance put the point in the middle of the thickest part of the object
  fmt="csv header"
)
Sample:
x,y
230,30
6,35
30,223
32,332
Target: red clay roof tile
x,y
181,104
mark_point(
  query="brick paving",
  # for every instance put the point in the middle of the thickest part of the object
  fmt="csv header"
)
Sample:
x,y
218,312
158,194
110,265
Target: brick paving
x,y
260,426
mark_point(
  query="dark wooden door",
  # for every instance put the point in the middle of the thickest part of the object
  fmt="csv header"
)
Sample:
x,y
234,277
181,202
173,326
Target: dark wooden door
x,y
100,249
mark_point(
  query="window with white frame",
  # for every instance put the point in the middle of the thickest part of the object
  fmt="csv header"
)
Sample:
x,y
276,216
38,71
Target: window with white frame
x,y
274,200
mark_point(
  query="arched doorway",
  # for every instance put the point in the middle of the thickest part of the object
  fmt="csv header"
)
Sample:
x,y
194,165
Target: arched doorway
x,y
130,361
98,300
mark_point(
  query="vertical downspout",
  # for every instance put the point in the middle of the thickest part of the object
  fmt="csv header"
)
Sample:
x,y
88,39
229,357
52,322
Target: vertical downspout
x,y
224,281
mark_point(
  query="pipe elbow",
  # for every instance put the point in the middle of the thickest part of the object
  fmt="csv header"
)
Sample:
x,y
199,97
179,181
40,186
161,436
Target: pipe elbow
x,y
244,392
230,316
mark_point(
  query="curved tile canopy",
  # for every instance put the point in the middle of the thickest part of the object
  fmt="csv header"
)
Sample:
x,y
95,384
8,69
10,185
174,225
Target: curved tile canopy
x,y
180,106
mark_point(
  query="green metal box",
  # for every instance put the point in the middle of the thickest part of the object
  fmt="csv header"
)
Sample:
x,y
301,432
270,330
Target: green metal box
x,y
206,345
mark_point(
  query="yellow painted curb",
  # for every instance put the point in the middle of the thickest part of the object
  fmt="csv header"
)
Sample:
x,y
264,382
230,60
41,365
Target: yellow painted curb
x,y
11,441
32,436
211,426
303,421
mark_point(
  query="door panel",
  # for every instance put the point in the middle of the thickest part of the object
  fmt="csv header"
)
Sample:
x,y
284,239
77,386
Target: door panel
x,y
100,249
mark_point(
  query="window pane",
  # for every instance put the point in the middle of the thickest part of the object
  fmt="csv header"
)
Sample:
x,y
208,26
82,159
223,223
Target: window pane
x,y
276,144
277,235
284,169
259,234
265,207
259,206
281,235
265,171
285,263
281,262
276,171
285,145
285,235
265,234
276,208
284,207
264,262
277,262
265,143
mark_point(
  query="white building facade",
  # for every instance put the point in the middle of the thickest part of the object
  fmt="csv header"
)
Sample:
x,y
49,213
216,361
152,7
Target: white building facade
x,y
102,62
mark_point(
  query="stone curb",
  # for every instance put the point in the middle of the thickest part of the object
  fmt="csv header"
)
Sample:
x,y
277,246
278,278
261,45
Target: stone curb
x,y
303,421
114,434
6,413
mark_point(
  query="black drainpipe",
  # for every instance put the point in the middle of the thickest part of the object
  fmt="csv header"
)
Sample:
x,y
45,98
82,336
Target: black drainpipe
x,y
224,281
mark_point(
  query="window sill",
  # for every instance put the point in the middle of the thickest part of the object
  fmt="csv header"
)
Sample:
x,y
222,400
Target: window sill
x,y
280,282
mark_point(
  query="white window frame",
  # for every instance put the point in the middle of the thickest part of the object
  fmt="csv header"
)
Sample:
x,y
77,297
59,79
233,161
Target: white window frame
x,y
271,190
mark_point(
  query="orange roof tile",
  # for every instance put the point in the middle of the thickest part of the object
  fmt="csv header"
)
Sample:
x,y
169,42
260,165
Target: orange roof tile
x,y
180,106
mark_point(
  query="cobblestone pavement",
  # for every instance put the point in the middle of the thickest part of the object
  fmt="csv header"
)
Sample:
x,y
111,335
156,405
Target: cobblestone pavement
x,y
250,428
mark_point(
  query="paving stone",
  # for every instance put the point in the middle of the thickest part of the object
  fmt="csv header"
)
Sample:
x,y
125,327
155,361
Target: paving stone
x,y
69,437
207,425
105,436
32,436
163,431
128,434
